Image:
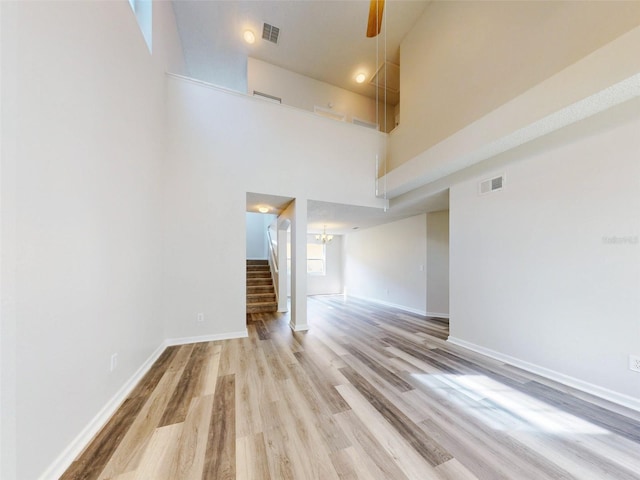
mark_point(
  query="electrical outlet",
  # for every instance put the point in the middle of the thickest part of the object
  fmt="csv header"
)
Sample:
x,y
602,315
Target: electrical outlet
x,y
200,318
634,363
114,362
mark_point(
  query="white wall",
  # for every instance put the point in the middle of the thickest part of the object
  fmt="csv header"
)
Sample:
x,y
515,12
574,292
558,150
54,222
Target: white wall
x,y
387,263
257,240
207,60
81,203
222,145
332,281
306,93
534,272
438,264
502,49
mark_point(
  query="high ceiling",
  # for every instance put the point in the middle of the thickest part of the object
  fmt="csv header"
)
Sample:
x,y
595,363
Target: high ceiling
x,y
322,39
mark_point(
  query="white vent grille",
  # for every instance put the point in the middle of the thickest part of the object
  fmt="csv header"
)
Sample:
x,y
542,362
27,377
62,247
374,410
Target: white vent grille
x,y
363,123
270,33
491,185
327,112
266,96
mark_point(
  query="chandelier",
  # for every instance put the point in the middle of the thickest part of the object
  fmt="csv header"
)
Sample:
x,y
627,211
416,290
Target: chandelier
x,y
324,238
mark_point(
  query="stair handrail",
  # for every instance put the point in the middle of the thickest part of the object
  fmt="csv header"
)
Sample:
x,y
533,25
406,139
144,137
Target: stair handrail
x,y
273,263
273,249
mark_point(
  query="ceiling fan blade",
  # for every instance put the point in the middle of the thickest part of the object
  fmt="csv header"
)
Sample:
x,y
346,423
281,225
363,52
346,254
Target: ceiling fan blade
x,y
374,24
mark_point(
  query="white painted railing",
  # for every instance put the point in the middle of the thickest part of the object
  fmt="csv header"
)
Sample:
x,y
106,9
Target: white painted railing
x,y
273,260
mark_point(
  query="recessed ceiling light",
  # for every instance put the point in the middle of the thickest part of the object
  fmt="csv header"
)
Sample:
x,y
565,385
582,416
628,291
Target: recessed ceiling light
x,y
249,37
361,77
263,209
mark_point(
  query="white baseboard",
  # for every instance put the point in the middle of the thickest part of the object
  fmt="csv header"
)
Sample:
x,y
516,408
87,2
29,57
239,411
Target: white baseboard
x,y
64,460
298,328
590,388
389,304
438,315
206,338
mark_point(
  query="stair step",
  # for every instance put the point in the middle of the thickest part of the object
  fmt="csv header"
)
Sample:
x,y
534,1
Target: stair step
x,y
258,281
258,268
258,274
260,297
262,307
252,289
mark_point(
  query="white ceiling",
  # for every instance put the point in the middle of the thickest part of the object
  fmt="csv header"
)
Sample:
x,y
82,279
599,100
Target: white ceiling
x,y
322,39
275,203
342,219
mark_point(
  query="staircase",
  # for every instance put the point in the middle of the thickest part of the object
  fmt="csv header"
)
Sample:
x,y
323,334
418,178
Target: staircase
x,y
261,296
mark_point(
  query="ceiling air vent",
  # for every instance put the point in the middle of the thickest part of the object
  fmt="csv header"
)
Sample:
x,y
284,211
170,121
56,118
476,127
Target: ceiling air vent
x,y
270,33
491,185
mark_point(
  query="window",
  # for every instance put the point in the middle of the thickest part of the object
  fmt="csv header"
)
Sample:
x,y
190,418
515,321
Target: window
x,y
142,11
316,258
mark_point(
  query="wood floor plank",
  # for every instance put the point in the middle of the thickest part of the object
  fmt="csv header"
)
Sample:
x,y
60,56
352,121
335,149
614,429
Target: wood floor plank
x,y
156,462
251,458
612,421
409,460
576,459
125,476
325,424
504,453
426,447
374,457
274,362
324,388
281,457
380,369
189,456
454,470
189,386
304,430
220,462
347,465
248,393
213,365
262,331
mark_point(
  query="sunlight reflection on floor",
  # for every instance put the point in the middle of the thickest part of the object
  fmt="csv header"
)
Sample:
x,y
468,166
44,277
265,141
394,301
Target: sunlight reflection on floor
x,y
523,411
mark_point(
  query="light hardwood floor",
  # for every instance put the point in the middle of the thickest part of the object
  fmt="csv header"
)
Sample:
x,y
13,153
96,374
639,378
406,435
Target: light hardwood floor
x,y
367,393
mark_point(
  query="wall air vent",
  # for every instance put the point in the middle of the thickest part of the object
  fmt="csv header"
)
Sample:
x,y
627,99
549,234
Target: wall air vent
x,y
363,123
329,113
266,96
491,185
270,33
